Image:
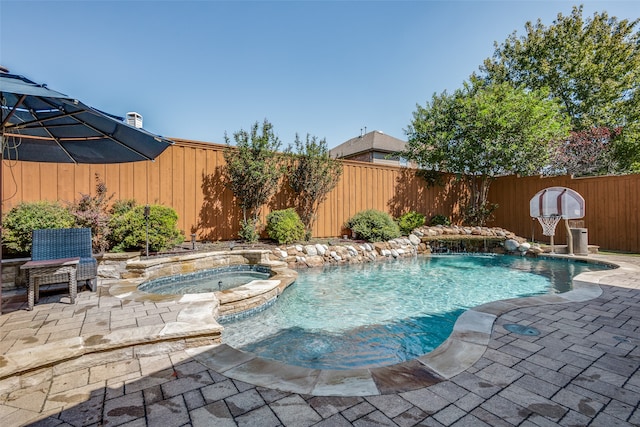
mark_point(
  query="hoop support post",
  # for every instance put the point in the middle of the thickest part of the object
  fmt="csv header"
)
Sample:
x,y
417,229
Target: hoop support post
x,y
569,237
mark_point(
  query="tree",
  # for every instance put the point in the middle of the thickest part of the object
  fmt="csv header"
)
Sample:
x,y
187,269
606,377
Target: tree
x,y
252,171
312,174
585,153
482,131
592,65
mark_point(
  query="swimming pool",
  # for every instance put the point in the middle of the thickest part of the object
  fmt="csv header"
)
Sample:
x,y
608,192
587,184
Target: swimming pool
x,y
379,314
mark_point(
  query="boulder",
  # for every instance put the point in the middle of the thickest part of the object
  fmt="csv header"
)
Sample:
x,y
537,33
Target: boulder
x,y
511,245
537,250
414,239
322,249
310,250
380,246
314,261
524,247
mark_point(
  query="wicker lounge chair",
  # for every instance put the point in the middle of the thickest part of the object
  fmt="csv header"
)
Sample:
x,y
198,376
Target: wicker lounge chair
x,y
61,255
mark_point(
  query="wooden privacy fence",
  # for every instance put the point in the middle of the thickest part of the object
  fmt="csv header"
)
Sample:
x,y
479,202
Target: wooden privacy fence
x,y
612,205
188,178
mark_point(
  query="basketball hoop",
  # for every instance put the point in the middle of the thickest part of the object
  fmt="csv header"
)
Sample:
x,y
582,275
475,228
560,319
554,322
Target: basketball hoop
x,y
549,224
555,203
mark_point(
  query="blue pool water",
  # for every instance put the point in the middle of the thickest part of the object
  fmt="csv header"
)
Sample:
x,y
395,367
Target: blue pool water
x,y
378,314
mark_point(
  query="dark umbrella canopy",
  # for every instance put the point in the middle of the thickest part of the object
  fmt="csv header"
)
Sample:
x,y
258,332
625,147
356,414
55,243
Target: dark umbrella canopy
x,y
42,125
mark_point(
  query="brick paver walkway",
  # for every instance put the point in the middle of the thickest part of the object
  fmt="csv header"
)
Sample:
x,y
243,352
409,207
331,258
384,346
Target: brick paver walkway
x,y
582,369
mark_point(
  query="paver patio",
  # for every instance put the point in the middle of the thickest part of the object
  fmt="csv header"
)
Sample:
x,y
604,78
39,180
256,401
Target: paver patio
x,y
583,369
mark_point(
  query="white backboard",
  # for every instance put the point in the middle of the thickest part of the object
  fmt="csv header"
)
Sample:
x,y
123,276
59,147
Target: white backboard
x,y
557,201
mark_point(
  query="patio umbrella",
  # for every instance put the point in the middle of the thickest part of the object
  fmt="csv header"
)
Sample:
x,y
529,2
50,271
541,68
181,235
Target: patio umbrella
x,y
41,125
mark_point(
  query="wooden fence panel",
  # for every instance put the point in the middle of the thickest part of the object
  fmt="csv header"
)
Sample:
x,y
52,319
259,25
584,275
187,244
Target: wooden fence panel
x,y
188,177
611,205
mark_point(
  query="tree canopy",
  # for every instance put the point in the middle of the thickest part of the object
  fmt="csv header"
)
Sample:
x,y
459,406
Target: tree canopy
x,y
591,65
482,131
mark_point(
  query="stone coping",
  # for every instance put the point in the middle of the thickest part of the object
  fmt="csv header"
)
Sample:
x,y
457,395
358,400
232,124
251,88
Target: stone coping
x,y
464,347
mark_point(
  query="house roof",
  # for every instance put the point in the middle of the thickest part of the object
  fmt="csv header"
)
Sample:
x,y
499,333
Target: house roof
x,y
373,141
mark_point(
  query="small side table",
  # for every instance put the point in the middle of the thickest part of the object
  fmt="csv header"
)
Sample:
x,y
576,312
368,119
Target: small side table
x,y
44,272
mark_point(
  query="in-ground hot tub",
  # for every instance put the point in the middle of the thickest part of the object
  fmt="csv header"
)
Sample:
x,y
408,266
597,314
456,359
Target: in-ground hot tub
x,y
210,280
250,281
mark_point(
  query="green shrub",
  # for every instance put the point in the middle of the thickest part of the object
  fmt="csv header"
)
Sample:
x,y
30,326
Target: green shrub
x,y
373,226
285,226
410,221
440,220
129,229
21,220
249,231
121,206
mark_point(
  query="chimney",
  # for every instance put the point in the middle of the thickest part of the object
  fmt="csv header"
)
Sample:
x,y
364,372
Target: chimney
x,y
134,119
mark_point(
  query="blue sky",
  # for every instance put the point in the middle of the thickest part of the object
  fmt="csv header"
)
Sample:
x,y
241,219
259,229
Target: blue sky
x,y
195,69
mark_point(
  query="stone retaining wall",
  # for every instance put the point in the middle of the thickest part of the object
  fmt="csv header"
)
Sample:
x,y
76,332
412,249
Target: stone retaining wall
x,y
423,240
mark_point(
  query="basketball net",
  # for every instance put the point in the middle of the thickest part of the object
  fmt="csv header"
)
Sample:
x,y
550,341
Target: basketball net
x,y
549,223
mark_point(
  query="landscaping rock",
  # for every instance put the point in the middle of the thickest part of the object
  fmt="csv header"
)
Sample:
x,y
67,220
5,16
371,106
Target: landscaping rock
x,y
322,249
315,261
524,247
511,245
310,250
415,240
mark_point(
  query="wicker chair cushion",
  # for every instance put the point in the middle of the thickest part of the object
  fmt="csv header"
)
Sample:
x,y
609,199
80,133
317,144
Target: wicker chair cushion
x,y
66,243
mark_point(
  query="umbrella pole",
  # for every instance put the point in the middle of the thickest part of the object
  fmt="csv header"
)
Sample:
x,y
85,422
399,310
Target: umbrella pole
x,y
1,202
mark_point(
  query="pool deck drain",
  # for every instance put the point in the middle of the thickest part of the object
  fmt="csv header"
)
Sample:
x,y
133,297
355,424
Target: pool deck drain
x,y
577,371
521,329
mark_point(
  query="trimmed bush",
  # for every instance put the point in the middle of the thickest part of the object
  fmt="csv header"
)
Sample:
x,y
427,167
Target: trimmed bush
x,y
128,229
410,221
121,206
249,230
21,220
285,226
440,220
373,226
